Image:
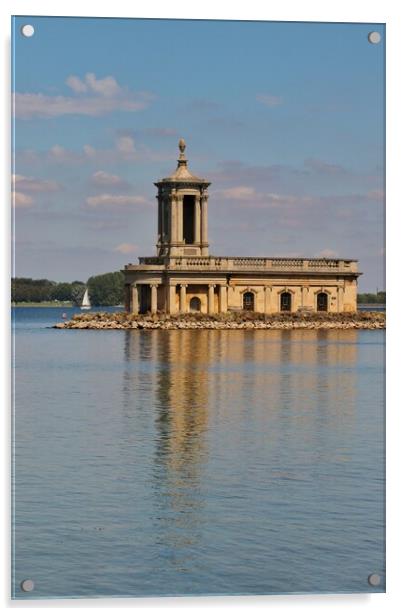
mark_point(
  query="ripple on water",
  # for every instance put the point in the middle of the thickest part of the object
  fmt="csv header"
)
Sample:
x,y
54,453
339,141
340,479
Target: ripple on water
x,y
197,462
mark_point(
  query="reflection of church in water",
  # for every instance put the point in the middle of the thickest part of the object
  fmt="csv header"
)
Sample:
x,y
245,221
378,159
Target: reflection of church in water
x,y
184,277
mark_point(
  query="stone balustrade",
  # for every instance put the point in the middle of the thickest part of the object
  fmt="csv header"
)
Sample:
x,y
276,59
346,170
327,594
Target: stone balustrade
x,y
212,263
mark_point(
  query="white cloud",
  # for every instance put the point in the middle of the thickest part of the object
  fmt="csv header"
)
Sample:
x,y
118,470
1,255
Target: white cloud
x,y
239,193
248,194
123,149
89,151
57,152
19,199
29,184
270,100
125,145
102,178
23,185
126,248
107,86
274,199
43,106
92,97
76,84
106,200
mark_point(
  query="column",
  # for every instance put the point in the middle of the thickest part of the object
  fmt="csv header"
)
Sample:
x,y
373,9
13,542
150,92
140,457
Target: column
x,y
180,218
340,299
223,298
197,221
163,218
160,219
304,292
134,299
204,224
211,303
167,222
171,299
173,220
183,307
267,299
127,297
154,298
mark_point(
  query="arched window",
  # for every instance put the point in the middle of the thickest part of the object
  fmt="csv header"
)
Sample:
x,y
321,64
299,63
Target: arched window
x,y
322,302
195,304
286,302
248,301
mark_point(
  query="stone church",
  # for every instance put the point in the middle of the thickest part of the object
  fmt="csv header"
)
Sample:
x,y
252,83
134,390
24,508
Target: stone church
x,y
184,277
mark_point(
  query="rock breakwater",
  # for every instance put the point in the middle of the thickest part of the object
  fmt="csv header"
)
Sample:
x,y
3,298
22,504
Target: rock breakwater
x,y
230,320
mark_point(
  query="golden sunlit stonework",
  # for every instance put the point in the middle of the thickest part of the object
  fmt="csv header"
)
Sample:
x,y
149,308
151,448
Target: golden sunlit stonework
x,y
184,277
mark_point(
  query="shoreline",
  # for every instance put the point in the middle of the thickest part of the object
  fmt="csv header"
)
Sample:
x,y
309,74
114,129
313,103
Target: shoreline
x,y
54,305
230,320
43,305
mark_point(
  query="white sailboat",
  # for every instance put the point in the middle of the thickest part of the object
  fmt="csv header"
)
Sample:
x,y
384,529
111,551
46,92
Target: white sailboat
x,y
86,304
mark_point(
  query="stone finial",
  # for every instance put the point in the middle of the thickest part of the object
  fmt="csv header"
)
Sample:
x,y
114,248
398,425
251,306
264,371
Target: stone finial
x,y
182,160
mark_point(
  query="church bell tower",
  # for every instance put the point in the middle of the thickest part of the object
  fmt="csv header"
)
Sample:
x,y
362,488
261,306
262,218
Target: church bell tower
x,y
182,212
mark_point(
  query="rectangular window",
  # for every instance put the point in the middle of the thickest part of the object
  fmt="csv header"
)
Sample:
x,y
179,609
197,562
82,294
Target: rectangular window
x,y
188,218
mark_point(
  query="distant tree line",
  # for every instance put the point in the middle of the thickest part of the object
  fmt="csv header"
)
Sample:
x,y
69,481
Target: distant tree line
x,y
43,290
371,298
104,290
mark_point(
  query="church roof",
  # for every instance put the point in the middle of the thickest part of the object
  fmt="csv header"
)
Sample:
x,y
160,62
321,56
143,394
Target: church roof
x,y
182,172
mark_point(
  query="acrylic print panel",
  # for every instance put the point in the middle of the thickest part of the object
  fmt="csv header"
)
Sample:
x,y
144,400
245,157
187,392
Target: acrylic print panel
x,y
207,416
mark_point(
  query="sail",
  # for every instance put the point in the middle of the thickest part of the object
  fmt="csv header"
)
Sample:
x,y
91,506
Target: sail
x,y
85,300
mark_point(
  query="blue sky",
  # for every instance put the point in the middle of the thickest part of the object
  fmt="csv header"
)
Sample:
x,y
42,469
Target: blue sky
x,y
285,119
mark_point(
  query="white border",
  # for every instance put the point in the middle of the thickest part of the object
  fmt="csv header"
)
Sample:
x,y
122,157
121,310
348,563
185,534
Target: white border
x,y
388,11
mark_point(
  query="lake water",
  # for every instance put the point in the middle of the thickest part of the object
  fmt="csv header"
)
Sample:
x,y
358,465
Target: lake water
x,y
196,462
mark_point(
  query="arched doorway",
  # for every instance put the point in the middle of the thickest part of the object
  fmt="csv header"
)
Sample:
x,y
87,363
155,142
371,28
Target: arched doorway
x,y
195,304
322,302
248,301
286,302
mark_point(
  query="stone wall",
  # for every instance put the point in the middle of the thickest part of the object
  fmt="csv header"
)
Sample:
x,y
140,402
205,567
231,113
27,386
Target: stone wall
x,y
175,296
107,320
